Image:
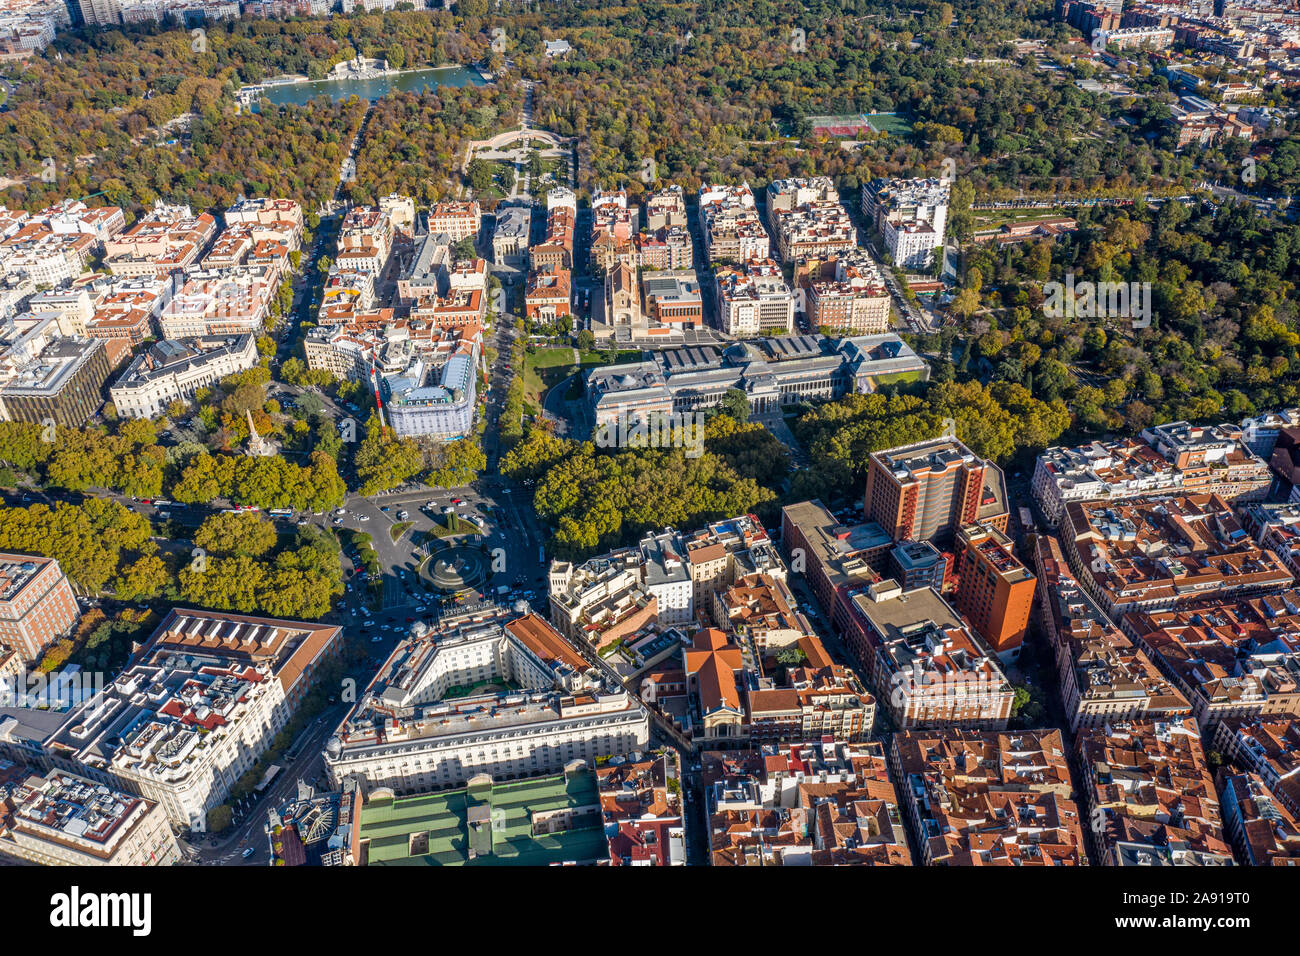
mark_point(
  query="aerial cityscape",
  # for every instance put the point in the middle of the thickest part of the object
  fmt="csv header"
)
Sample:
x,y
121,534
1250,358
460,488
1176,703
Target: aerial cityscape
x,y
701,434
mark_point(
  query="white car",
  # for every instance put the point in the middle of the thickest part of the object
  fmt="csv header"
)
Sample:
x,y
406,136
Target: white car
x,y
363,517
376,639
341,511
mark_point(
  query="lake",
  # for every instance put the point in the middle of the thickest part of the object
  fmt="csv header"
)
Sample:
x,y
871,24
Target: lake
x,y
410,81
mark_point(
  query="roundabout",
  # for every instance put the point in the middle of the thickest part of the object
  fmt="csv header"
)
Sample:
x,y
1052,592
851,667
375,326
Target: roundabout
x,y
457,567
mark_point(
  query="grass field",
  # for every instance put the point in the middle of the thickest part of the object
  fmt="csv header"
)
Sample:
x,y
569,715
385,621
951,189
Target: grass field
x,y
897,378
547,367
890,123
543,369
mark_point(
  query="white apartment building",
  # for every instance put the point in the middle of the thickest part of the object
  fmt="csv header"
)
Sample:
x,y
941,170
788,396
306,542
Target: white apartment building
x,y
49,258
666,575
911,244
1091,472
911,215
808,219
601,581
406,734
264,211
681,572
730,224
365,240
218,302
753,299
72,306
854,298
400,209
168,238
100,13
1174,457
204,699
664,209
116,299
61,819
562,197
345,293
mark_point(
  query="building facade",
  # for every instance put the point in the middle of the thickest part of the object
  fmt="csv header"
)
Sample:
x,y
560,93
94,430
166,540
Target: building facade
x,y
61,819
37,605
170,371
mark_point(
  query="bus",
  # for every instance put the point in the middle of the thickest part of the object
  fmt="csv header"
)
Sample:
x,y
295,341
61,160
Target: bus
x,y
272,772
1026,520
281,512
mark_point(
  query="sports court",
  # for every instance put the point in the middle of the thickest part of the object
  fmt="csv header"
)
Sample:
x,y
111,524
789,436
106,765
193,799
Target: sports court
x,y
848,125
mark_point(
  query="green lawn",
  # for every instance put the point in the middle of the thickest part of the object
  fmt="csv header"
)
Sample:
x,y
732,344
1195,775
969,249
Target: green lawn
x,y
452,525
897,378
544,368
547,367
889,123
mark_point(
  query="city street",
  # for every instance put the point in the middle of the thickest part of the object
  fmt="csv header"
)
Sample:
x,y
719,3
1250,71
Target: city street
x,y
248,830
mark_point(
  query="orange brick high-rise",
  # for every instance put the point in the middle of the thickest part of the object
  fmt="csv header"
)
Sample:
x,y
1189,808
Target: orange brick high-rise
x,y
926,491
995,591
